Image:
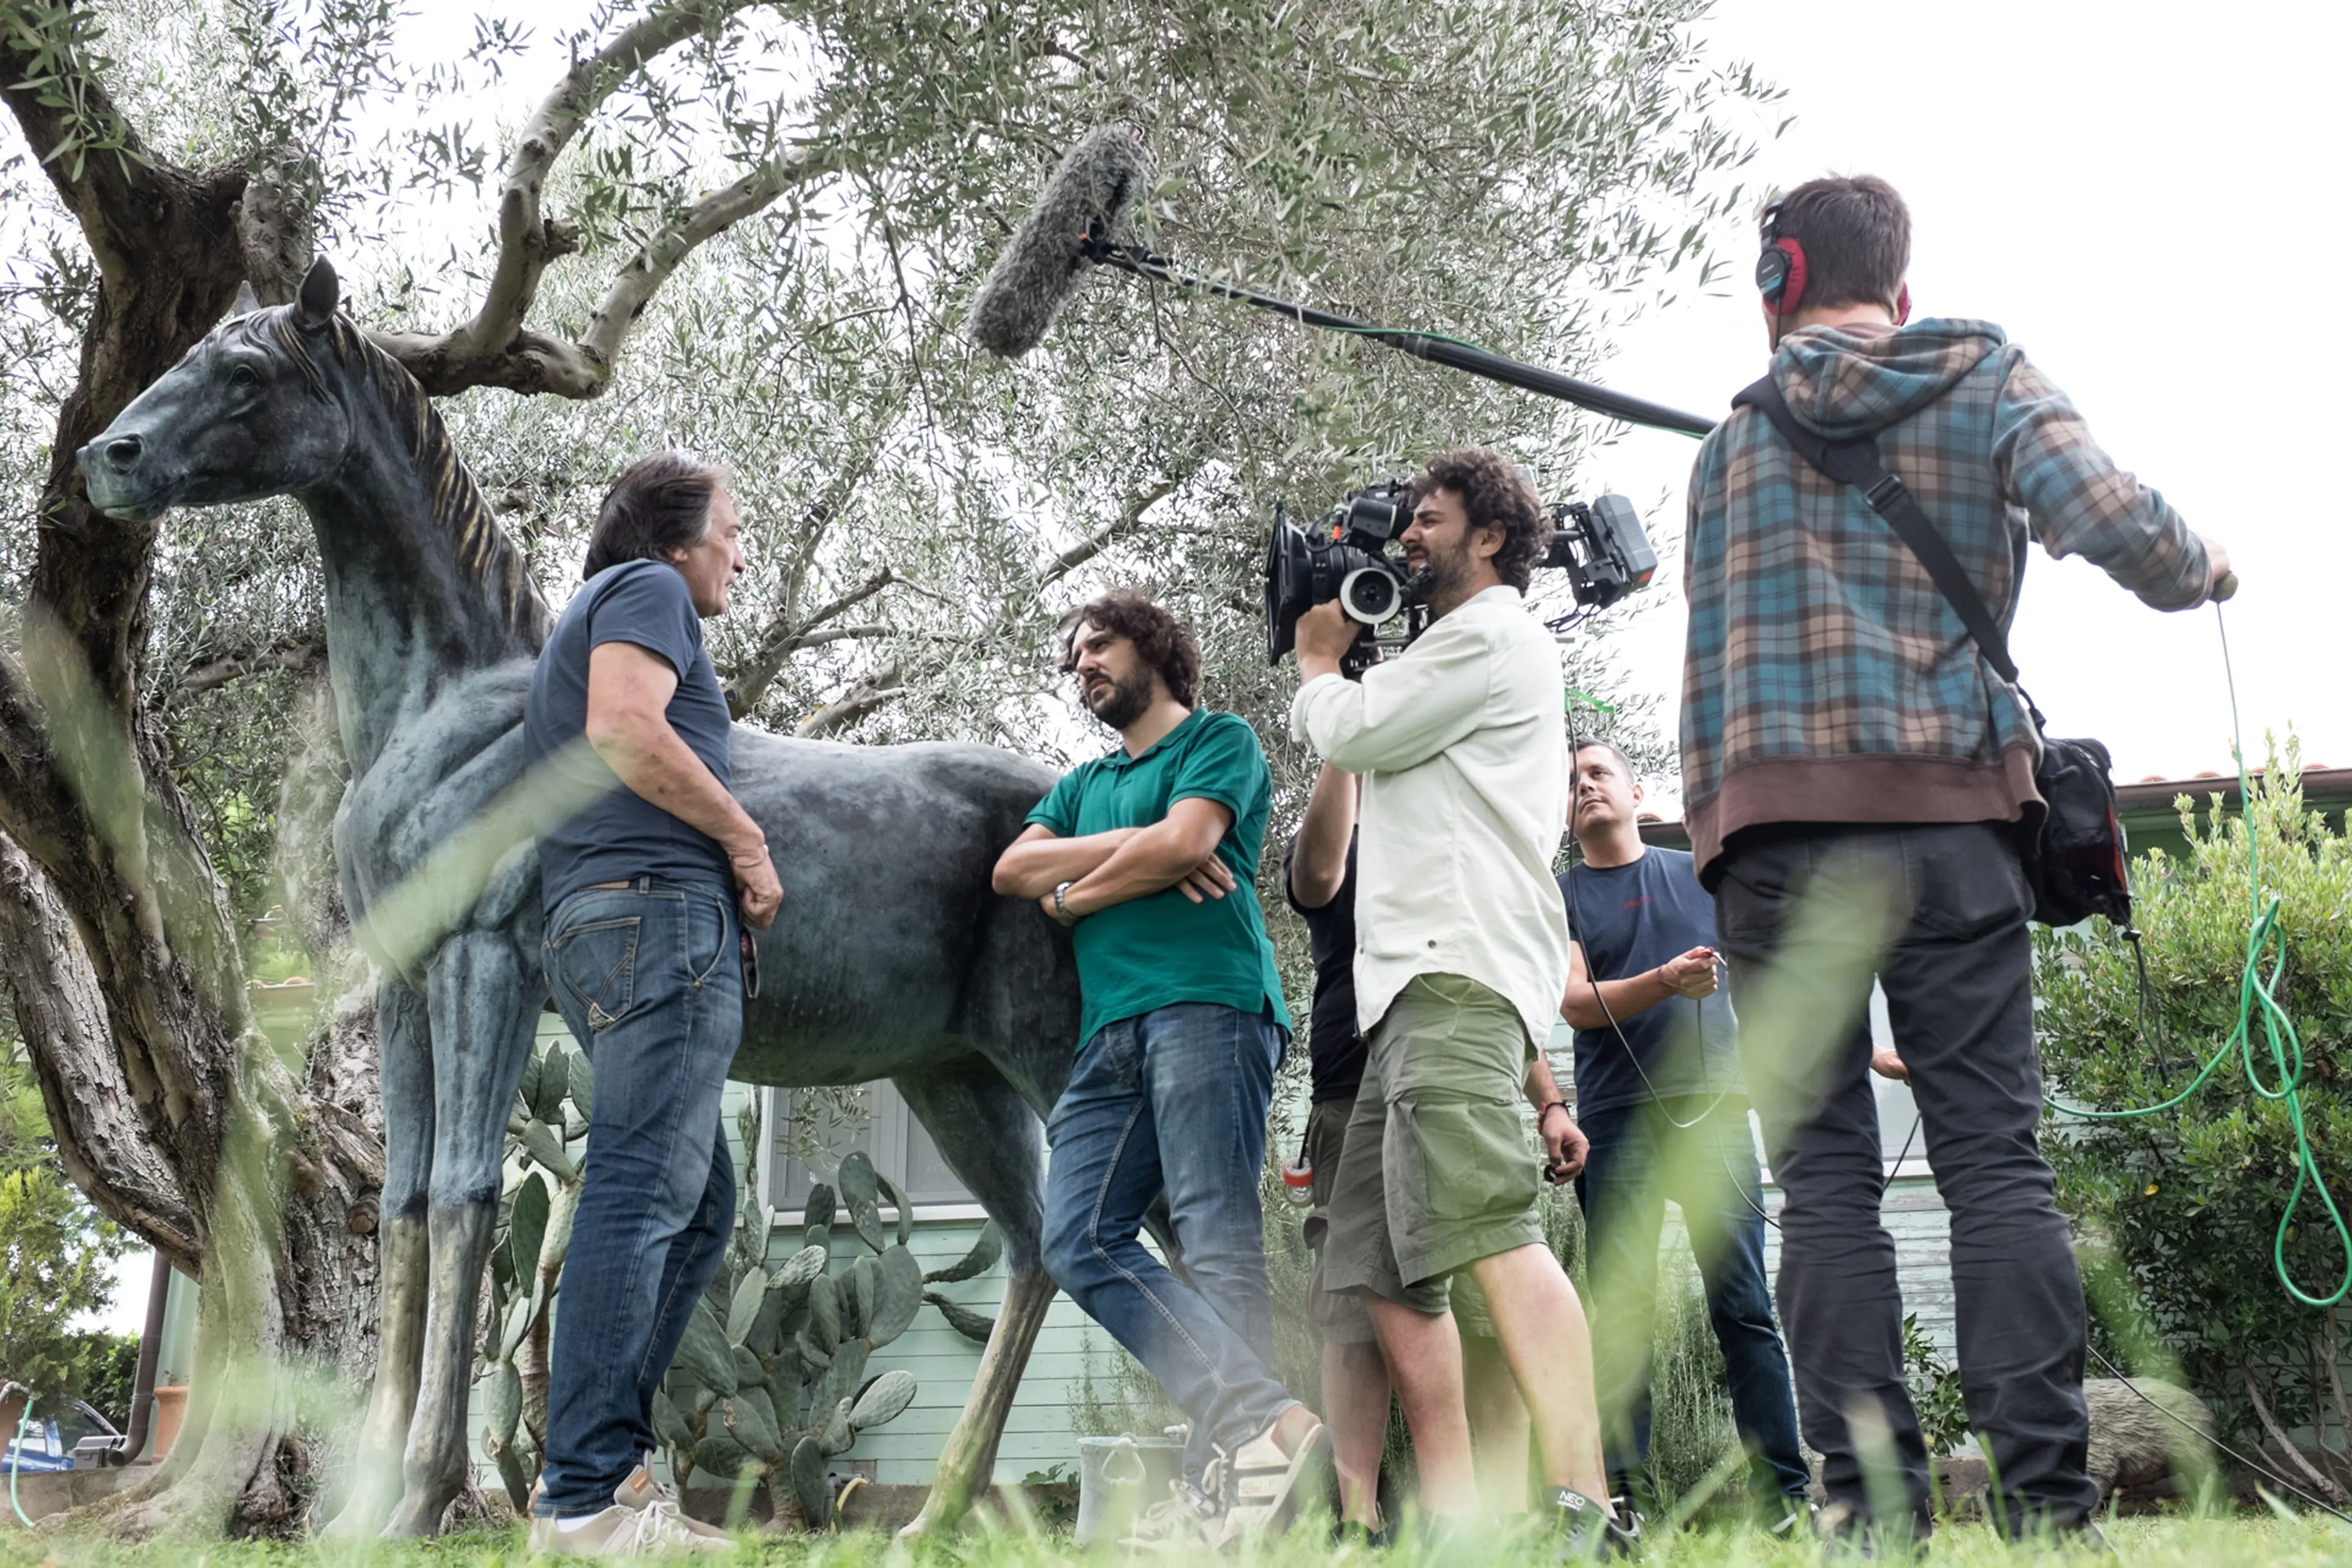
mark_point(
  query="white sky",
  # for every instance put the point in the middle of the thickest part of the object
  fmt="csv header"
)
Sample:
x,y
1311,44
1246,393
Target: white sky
x,y
2080,172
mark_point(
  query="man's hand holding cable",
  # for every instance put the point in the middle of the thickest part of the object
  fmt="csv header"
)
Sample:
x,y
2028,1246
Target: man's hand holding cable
x,y
1692,976
1565,1144
1325,635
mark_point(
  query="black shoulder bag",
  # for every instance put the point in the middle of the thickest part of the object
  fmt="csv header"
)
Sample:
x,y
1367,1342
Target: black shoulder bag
x,y
2075,854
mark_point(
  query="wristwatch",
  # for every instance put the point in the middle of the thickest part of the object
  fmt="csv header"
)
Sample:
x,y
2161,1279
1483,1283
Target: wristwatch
x,y
1061,910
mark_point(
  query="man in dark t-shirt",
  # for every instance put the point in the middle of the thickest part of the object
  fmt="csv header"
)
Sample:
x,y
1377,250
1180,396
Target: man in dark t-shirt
x,y
1319,880
647,888
1658,1094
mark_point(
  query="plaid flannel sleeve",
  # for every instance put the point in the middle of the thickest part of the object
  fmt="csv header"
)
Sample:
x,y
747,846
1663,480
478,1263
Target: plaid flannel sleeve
x,y
2082,504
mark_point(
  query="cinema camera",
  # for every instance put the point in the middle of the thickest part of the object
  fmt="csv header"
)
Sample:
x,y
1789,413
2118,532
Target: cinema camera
x,y
1356,558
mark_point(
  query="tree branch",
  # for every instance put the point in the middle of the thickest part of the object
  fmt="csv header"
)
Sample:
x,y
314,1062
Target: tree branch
x,y
496,349
863,697
101,1139
274,227
648,270
49,68
2326,1484
1128,522
298,654
752,677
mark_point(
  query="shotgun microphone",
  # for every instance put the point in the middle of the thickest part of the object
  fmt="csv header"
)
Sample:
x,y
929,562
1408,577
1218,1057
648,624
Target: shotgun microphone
x,y
1091,196
1086,213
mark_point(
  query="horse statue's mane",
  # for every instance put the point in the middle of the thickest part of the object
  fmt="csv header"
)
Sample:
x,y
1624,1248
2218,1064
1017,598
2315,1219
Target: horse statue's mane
x,y
479,545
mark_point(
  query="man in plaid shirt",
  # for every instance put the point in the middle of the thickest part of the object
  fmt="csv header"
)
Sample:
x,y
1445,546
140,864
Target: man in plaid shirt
x,y
1836,715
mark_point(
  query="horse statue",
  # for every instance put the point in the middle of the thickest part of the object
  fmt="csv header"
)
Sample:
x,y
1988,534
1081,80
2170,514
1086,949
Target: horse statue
x,y
892,958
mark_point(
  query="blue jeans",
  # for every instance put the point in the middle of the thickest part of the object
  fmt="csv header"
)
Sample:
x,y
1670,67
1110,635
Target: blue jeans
x,y
649,978
1639,1159
1174,1101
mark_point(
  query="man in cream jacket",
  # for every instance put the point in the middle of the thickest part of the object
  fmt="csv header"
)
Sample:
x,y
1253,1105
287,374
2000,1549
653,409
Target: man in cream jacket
x,y
1461,745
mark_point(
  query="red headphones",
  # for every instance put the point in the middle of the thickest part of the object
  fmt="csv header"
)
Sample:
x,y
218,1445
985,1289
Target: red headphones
x,y
1780,272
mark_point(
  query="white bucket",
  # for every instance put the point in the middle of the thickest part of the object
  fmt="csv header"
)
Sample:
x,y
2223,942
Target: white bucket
x,y
1120,1477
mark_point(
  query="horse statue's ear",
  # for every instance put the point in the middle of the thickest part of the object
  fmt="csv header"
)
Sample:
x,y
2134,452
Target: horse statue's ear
x,y
321,291
246,301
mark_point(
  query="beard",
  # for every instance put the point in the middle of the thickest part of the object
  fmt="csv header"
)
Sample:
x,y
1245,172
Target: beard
x,y
1443,575
1122,701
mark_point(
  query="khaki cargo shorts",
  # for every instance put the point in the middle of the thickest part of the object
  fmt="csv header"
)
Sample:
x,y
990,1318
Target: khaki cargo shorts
x,y
1435,1171
1339,1316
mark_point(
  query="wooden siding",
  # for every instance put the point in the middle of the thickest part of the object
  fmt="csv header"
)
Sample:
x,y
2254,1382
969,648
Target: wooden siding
x,y
1039,1433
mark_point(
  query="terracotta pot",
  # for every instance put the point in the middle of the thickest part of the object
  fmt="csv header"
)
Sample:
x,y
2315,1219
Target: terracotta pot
x,y
170,1409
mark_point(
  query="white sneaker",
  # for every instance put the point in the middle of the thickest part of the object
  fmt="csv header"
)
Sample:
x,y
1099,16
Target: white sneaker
x,y
1180,1521
1265,1487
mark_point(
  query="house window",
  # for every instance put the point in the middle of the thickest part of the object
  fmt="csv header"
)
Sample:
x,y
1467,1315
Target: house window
x,y
899,1145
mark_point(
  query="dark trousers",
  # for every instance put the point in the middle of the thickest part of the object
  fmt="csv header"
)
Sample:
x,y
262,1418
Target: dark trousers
x,y
1695,1150
649,978
1938,912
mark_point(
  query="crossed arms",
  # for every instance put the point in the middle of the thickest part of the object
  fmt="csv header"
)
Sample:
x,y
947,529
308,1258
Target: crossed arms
x,y
1180,850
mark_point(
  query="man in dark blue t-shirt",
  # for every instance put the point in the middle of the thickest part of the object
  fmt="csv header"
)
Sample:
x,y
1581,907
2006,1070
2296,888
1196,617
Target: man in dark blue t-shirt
x,y
1658,1094
648,889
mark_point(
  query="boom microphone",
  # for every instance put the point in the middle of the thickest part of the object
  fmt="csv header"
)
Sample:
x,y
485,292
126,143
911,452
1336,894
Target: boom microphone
x,y
1093,193
1084,215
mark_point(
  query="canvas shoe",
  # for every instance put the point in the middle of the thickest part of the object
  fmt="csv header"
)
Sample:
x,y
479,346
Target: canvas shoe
x,y
1265,1487
1181,1522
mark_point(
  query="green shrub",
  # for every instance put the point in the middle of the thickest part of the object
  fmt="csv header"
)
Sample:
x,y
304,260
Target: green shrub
x,y
2181,1211
54,1252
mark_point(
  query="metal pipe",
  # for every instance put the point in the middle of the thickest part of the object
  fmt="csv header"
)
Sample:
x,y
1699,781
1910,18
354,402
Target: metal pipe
x,y
151,1350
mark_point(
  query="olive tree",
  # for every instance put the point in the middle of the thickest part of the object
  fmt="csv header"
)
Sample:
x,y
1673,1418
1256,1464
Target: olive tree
x,y
755,233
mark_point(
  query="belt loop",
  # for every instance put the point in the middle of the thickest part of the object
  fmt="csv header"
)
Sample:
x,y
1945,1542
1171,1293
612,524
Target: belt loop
x,y
645,882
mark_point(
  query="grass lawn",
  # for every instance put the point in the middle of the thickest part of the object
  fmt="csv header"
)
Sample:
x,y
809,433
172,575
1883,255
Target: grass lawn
x,y
2159,1542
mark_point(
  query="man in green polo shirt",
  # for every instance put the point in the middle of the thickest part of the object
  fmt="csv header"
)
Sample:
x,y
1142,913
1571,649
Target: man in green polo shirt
x,y
1150,854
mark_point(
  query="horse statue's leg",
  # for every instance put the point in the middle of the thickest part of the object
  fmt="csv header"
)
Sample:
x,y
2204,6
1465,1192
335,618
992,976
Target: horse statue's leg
x,y
484,999
404,1047
991,1139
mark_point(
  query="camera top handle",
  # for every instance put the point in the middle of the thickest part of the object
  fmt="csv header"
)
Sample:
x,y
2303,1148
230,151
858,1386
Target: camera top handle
x,y
1438,350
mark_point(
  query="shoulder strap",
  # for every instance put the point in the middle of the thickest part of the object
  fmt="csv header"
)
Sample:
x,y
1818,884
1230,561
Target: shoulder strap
x,y
1856,463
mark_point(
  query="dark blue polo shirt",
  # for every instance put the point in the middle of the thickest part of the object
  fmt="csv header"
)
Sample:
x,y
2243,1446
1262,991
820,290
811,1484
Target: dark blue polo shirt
x,y
620,834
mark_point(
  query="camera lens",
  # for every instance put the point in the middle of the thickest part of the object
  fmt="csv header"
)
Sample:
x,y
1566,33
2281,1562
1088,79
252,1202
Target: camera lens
x,y
1369,594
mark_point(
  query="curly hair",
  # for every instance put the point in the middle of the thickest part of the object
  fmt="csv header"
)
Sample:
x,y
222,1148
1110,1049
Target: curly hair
x,y
1163,641
1495,496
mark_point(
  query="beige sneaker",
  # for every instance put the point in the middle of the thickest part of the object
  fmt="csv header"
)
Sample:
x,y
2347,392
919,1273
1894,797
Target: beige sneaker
x,y
641,1491
645,1521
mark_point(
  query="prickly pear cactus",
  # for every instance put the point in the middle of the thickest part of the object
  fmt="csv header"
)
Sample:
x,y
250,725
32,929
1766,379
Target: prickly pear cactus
x,y
770,1381
771,1377
547,1135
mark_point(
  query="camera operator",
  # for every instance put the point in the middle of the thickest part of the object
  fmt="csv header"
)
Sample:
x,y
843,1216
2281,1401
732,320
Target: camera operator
x,y
1320,880
1462,955
1836,715
1658,1096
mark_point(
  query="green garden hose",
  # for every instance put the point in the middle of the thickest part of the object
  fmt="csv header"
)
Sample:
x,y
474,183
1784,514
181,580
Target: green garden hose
x,y
2257,997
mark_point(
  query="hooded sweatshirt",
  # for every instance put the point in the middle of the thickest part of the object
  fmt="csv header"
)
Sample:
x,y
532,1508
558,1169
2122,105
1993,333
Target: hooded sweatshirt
x,y
1825,678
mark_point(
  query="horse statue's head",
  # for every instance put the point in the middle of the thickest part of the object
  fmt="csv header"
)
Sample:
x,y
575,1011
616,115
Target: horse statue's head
x,y
246,414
